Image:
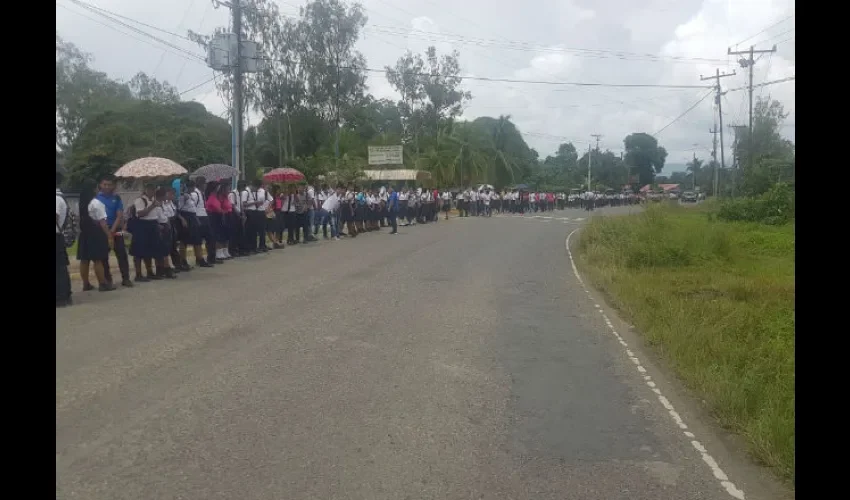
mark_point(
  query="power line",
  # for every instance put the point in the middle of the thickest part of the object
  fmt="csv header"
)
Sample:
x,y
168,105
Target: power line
x,y
694,105
197,86
468,77
137,30
765,29
774,82
125,33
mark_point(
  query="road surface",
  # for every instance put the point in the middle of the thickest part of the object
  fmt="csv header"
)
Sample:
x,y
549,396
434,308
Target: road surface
x,y
457,360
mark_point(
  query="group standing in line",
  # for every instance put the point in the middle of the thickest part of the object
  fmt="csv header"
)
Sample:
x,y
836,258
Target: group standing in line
x,y
219,223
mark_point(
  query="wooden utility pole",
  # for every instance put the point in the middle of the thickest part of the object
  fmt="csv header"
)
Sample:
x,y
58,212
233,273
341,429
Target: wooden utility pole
x,y
718,94
749,63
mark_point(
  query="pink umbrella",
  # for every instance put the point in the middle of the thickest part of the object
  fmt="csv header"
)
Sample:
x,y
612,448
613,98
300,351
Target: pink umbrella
x,y
283,175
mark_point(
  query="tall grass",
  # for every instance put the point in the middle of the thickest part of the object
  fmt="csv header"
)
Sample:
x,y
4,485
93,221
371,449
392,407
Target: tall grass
x,y
716,300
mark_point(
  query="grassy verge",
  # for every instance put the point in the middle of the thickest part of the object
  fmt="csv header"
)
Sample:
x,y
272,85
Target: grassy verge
x,y
716,301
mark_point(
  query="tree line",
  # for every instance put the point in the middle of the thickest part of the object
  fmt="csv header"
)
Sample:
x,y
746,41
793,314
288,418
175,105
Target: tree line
x,y
318,116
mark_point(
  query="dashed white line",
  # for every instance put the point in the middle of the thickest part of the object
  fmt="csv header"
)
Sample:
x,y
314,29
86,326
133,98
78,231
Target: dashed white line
x,y
718,473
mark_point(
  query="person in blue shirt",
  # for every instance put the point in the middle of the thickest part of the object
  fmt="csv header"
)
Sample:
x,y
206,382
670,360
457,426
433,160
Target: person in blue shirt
x,y
116,222
392,209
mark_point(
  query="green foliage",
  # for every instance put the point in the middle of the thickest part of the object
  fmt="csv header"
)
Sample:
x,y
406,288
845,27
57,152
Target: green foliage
x,y
775,207
184,132
716,300
644,156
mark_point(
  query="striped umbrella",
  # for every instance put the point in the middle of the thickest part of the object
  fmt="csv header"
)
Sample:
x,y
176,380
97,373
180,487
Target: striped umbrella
x,y
215,172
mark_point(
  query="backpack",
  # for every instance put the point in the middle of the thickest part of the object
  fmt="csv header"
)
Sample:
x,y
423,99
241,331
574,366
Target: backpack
x,y
70,227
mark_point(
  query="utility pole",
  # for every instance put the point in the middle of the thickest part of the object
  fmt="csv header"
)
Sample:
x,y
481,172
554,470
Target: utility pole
x,y
738,130
714,156
718,93
226,53
590,157
236,10
749,63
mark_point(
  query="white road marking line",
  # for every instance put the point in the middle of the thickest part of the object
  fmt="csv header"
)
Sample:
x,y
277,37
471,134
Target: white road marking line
x,y
718,473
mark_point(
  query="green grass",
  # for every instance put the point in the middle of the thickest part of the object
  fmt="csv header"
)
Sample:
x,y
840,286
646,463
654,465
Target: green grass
x,y
716,301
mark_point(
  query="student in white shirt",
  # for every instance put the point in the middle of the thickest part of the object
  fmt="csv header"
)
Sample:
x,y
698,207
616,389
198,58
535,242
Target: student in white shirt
x,y
95,240
254,216
447,202
237,246
188,208
146,244
169,209
63,278
485,199
328,213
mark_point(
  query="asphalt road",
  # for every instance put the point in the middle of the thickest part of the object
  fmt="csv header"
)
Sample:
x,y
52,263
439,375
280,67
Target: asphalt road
x,y
457,360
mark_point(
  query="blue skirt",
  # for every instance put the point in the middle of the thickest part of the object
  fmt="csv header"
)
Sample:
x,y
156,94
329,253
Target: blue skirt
x,y
147,241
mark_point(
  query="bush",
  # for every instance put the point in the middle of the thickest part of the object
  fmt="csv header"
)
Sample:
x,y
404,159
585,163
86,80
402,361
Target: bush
x,y
775,207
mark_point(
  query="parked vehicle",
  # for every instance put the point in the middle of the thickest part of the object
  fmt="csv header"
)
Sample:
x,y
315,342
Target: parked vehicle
x,y
689,197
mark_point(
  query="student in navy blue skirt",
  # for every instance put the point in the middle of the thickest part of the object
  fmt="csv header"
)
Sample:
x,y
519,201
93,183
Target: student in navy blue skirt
x,y
146,244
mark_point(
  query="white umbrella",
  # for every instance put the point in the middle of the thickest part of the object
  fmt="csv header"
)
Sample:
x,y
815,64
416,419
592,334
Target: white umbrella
x,y
151,166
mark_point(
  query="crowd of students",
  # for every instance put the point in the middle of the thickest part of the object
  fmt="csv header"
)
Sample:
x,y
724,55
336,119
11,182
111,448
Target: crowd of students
x,y
219,223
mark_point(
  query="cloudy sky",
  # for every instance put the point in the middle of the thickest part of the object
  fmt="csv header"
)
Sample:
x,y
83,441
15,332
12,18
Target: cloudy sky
x,y
654,42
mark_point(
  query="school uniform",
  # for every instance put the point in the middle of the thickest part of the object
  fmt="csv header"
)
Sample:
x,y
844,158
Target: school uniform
x,y
347,213
146,243
187,207
321,197
290,211
234,221
93,244
253,220
114,204
169,212
63,277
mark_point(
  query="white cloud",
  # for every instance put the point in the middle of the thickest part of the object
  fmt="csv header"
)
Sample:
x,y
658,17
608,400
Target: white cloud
x,y
550,40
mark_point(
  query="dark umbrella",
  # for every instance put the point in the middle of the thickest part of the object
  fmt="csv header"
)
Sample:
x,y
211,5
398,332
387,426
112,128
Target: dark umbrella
x,y
215,172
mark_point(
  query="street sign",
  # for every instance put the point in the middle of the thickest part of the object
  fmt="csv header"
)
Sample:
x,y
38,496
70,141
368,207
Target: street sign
x,y
386,155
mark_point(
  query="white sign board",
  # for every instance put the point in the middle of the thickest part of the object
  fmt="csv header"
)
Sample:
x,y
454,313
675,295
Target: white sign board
x,y
386,155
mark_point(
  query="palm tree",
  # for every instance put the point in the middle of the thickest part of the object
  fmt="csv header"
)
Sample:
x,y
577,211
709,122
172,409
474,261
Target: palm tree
x,y
694,167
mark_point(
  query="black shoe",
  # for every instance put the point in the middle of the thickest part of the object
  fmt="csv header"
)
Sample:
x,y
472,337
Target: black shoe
x,y
88,287
106,288
127,283
219,261
64,303
155,277
204,263
142,279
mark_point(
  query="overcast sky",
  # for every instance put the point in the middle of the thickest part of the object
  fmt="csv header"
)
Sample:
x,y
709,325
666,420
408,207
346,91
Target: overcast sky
x,y
667,42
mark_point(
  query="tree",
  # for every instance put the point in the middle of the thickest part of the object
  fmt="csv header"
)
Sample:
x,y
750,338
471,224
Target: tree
x,y
608,171
430,92
146,88
336,76
184,132
644,156
81,92
773,156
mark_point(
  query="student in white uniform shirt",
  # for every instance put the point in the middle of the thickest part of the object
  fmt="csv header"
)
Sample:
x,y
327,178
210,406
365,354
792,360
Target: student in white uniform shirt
x,y
95,240
146,244
237,220
188,209
254,216
163,267
447,202
485,199
63,278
